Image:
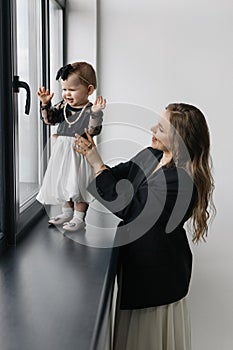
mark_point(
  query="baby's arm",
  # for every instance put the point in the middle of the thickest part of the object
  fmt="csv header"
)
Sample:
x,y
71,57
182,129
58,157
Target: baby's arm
x,y
95,122
45,103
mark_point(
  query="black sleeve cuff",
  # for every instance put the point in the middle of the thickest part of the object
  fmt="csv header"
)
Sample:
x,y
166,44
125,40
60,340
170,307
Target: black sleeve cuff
x,y
48,106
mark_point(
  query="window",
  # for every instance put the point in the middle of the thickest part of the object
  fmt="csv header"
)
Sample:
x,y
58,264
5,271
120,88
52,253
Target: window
x,y
29,69
25,34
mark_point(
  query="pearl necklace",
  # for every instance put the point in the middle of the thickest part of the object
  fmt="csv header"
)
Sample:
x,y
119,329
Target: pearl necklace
x,y
78,117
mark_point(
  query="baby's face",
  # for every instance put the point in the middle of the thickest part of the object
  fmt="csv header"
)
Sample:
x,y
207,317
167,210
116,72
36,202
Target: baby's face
x,y
73,92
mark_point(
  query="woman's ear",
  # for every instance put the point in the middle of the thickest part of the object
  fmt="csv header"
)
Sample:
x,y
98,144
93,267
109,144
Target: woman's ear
x,y
91,89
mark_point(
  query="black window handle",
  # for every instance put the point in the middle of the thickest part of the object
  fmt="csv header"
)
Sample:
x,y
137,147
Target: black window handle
x,y
21,84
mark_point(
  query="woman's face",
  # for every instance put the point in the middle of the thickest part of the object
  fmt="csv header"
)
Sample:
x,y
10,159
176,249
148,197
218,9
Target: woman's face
x,y
161,133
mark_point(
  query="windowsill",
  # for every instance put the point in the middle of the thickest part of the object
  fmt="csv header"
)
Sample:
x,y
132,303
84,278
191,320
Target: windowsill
x,y
53,291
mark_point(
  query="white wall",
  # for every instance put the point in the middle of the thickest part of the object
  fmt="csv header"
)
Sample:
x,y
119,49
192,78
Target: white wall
x,y
81,31
153,52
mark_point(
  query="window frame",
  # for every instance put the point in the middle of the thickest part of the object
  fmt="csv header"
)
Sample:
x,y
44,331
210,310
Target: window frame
x,y
13,223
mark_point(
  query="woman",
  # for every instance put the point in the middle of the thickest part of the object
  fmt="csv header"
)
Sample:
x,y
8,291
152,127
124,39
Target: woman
x,y
171,182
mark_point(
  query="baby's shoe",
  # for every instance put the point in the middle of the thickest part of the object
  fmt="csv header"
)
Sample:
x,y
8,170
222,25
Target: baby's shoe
x,y
74,224
67,214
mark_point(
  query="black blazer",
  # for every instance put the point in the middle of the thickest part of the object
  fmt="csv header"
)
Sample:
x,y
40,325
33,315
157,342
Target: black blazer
x,y
155,260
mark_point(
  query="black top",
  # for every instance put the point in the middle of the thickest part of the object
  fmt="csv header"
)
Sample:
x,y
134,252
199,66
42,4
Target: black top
x,y
155,258
87,120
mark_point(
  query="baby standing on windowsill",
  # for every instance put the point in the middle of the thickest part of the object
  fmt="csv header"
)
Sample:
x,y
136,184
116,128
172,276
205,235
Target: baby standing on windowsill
x,y
68,173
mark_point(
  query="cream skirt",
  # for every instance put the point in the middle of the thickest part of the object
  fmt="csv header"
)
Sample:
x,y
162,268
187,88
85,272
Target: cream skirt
x,y
164,327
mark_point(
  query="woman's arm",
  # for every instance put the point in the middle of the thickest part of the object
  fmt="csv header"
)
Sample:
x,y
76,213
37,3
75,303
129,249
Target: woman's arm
x,y
166,199
124,200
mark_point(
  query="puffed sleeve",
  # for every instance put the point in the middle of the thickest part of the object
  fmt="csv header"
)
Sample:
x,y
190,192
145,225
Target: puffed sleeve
x,y
53,114
95,123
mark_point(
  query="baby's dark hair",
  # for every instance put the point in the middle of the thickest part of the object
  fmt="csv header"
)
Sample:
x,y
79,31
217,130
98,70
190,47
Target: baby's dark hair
x,y
84,71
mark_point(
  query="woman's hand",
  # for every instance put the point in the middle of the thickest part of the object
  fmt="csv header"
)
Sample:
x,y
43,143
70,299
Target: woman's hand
x,y
99,104
44,95
88,149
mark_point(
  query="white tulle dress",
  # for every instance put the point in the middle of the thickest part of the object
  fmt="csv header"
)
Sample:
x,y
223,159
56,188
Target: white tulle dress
x,y
67,176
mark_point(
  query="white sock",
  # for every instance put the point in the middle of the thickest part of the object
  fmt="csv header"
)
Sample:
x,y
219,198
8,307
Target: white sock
x,y
67,211
79,215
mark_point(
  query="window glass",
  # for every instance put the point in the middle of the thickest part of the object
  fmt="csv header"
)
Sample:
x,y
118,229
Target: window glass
x,y
56,46
56,50
29,70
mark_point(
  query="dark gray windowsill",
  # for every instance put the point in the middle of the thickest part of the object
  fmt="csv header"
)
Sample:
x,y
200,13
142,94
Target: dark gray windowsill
x,y
54,292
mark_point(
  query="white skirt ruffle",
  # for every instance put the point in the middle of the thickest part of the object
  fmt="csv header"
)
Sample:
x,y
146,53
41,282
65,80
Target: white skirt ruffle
x,y
67,176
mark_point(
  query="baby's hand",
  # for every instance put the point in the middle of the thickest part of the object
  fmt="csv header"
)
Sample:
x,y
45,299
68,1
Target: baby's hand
x,y
44,95
99,104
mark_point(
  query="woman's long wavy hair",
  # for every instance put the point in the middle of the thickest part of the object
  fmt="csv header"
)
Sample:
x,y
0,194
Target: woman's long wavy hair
x,y
191,149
